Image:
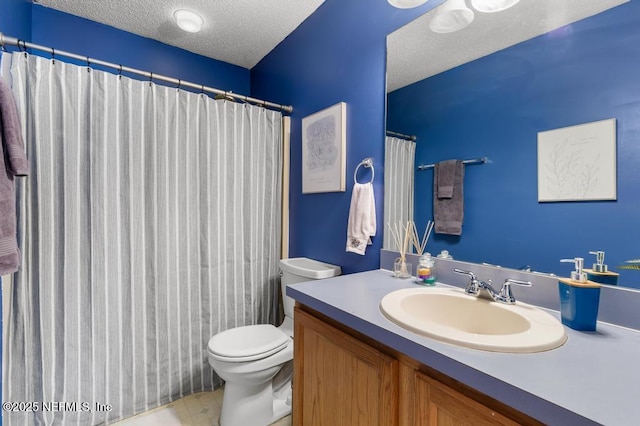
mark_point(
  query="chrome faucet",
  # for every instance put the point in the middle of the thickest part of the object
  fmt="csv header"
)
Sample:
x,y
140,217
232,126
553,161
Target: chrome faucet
x,y
476,287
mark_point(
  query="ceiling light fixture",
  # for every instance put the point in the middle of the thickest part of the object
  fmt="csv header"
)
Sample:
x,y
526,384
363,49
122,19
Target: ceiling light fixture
x,y
406,4
490,6
453,15
188,21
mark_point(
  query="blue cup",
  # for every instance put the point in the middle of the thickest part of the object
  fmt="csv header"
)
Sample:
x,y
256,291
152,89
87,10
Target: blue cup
x,y
579,304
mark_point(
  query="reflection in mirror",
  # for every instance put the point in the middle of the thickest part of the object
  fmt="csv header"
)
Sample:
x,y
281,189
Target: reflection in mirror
x,y
399,157
487,90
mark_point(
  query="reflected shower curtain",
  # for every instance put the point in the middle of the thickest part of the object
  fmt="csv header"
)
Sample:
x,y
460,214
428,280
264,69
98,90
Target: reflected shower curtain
x,y
399,169
150,221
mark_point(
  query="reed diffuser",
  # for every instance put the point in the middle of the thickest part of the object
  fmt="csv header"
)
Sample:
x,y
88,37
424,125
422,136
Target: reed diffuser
x,y
402,237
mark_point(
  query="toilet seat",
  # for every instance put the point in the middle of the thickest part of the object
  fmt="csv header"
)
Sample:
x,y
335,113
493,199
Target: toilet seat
x,y
247,343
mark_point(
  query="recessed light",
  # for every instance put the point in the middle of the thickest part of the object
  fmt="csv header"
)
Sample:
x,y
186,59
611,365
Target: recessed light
x,y
490,6
406,4
188,21
451,16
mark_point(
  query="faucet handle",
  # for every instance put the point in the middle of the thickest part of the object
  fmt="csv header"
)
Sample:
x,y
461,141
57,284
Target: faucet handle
x,y
471,275
506,296
473,287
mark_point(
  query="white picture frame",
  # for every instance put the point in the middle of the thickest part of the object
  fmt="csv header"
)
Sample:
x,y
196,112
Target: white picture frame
x,y
324,139
578,163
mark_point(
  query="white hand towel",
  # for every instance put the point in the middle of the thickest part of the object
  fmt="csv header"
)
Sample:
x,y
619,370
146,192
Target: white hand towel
x,y
362,218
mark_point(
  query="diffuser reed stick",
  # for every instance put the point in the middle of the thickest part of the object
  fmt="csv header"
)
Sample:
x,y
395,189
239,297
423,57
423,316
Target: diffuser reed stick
x,y
407,238
417,243
401,242
427,231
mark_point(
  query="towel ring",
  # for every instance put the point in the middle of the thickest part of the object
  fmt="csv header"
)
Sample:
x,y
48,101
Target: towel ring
x,y
367,163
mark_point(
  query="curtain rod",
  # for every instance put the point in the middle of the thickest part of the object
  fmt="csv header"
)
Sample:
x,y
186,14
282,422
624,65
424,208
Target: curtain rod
x,y
23,46
401,135
480,160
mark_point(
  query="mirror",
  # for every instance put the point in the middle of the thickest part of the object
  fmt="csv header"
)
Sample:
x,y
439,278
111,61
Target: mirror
x,y
487,90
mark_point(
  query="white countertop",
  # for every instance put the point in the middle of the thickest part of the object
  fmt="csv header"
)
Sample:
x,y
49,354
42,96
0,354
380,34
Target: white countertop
x,y
593,378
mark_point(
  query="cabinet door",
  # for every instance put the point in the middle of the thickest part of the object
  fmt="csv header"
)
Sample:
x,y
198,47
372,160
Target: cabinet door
x,y
339,380
438,404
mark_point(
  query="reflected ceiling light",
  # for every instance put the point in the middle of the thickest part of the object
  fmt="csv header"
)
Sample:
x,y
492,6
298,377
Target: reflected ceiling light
x,y
452,15
188,21
489,6
406,4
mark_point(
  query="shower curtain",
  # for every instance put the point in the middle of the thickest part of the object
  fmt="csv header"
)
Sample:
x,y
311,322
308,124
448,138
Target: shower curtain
x,y
150,221
399,169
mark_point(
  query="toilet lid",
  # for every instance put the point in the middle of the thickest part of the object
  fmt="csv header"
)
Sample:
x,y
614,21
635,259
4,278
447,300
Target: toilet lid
x,y
249,342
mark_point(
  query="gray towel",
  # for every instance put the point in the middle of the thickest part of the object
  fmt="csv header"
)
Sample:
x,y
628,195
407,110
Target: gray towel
x,y
446,173
448,211
14,163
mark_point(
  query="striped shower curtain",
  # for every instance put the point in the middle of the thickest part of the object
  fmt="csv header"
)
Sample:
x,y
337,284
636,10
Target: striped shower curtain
x,y
399,172
149,222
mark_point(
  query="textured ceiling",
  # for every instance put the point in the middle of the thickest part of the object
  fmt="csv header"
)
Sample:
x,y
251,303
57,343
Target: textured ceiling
x,y
415,53
239,32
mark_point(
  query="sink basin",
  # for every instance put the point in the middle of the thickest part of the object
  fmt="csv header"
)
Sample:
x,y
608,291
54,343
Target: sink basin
x,y
454,317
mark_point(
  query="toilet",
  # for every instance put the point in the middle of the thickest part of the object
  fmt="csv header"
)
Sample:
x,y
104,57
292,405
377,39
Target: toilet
x,y
256,361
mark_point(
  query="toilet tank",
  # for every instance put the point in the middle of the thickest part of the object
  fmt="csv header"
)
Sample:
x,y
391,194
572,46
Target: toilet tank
x,y
300,269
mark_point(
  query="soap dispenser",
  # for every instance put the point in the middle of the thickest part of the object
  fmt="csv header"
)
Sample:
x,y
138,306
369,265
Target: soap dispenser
x,y
579,298
600,273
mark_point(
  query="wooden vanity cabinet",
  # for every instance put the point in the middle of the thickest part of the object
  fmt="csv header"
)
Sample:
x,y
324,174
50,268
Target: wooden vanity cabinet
x,y
339,380
426,401
342,377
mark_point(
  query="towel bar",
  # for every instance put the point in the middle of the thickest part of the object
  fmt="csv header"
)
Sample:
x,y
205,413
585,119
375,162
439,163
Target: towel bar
x,y
481,160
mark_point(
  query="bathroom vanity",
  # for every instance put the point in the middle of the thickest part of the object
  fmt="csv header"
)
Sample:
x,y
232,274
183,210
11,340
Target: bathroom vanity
x,y
354,366
347,378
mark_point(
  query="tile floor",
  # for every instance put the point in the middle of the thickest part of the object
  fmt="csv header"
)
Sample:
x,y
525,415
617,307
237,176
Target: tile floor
x,y
199,409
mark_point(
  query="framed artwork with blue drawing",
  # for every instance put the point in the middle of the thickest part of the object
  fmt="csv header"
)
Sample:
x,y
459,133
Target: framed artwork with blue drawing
x,y
324,138
578,163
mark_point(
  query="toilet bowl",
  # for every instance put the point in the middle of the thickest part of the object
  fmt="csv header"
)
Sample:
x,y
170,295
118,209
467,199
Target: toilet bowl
x,y
256,361
247,359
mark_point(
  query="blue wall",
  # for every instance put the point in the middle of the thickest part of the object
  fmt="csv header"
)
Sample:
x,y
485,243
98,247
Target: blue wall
x,y
15,18
81,36
336,55
495,106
